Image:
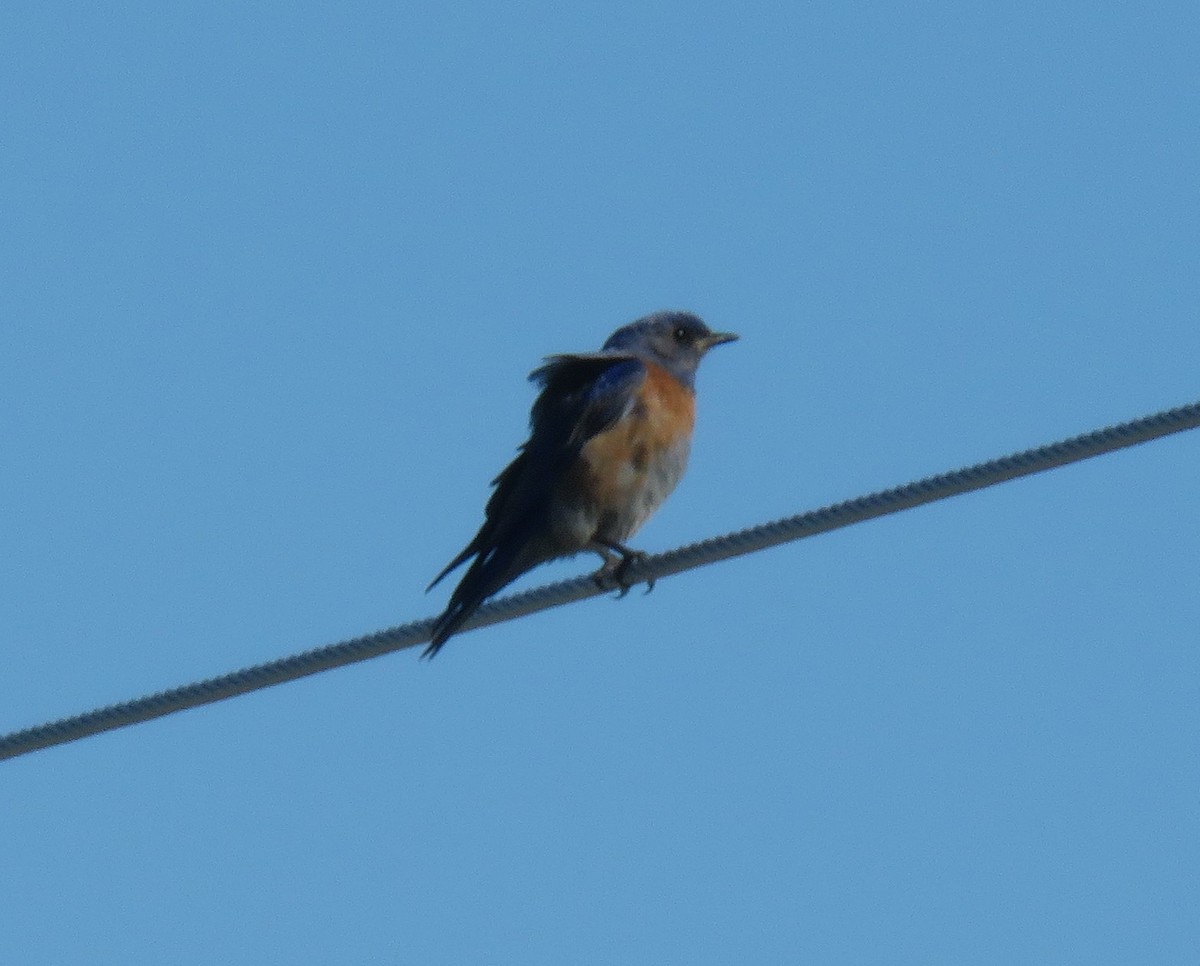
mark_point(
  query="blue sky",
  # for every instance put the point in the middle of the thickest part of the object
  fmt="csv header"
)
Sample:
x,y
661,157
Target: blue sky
x,y
272,276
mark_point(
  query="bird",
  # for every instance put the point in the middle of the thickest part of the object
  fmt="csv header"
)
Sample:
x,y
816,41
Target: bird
x,y
610,434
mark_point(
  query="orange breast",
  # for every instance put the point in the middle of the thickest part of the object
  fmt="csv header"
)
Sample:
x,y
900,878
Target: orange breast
x,y
625,472
670,407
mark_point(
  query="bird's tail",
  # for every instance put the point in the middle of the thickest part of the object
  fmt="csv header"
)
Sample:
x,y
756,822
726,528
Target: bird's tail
x,y
490,571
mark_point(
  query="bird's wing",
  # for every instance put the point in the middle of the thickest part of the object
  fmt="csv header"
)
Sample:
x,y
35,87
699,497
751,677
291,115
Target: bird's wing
x,y
581,396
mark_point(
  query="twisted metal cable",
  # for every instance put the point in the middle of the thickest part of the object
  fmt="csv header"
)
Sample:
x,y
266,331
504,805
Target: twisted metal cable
x,y
798,527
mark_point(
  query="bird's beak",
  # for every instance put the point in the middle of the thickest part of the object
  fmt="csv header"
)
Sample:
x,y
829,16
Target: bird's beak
x,y
717,338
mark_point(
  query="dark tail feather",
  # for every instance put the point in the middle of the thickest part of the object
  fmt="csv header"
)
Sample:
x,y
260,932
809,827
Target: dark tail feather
x,y
457,562
488,573
450,621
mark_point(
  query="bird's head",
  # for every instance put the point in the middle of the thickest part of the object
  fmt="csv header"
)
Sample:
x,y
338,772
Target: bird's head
x,y
677,341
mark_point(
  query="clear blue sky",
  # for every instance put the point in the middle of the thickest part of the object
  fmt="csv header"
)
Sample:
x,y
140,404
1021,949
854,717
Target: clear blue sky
x,y
272,278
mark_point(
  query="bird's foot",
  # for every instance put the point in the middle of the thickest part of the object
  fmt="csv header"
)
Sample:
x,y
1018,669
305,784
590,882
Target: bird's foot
x,y
614,574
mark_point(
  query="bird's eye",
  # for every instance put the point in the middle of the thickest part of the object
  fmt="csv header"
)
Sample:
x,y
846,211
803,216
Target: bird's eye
x,y
680,334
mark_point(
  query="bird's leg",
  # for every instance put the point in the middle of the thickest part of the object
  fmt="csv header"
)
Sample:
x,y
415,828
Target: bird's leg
x,y
612,574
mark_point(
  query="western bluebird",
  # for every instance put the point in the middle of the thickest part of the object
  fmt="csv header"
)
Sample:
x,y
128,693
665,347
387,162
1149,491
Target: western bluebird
x,y
609,438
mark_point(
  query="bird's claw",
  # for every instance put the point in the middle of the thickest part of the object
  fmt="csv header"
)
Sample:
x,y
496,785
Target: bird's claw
x,y
613,575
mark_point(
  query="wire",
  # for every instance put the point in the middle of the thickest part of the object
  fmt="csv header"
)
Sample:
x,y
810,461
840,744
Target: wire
x,y
648,568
